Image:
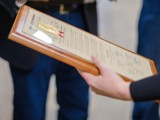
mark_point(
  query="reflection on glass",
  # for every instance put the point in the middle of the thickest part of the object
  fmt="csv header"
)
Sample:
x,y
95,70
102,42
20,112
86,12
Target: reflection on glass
x,y
42,36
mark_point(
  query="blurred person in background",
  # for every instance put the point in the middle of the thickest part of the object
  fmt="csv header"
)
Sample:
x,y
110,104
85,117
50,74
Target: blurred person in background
x,y
148,45
17,55
31,86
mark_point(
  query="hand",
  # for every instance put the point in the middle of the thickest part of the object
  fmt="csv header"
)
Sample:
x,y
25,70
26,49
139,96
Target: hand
x,y
108,83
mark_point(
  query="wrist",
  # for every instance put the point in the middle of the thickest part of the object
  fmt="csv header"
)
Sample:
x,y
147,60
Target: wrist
x,y
125,91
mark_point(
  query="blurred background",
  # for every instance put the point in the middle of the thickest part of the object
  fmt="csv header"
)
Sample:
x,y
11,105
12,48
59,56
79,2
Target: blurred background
x,y
118,24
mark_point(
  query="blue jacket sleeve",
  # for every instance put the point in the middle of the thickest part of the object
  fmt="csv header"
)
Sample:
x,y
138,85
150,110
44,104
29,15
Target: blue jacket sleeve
x,y
146,89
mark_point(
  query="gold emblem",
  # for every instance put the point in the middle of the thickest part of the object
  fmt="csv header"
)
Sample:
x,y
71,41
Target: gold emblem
x,y
50,29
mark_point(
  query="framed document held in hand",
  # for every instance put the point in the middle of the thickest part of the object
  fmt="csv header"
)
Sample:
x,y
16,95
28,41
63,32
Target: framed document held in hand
x,y
75,47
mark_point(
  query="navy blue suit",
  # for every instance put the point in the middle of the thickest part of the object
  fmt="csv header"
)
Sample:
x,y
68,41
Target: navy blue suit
x,y
31,86
149,46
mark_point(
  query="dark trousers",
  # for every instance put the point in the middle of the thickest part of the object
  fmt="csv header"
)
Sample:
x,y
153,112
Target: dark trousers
x,y
31,87
149,46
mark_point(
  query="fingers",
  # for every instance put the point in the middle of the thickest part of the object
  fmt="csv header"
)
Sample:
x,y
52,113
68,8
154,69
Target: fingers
x,y
87,76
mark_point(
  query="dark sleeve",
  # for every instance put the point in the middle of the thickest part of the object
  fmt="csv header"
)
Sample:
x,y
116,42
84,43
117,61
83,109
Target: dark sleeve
x,y
9,6
7,14
16,54
146,89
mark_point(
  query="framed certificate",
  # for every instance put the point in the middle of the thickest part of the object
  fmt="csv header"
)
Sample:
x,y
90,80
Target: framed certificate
x,y
74,46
